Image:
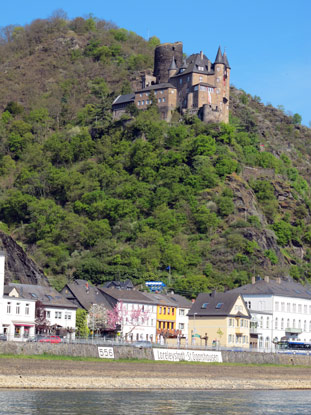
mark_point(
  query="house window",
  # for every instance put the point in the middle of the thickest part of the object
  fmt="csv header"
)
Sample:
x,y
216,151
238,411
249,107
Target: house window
x,y
173,311
305,309
261,322
181,312
276,323
305,325
181,326
282,306
288,307
267,323
18,308
168,310
294,323
276,306
204,305
160,310
299,324
249,305
282,324
267,342
164,310
27,309
8,308
294,308
288,323
48,314
299,308
260,342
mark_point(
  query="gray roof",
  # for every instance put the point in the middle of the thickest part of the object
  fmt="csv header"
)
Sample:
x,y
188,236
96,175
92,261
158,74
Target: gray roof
x,y
129,296
162,299
180,301
47,295
173,64
193,63
215,304
119,285
164,85
225,59
124,99
204,84
281,288
84,294
219,57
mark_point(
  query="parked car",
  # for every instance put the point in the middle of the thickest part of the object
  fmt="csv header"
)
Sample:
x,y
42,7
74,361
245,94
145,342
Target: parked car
x,y
50,339
3,337
142,344
35,338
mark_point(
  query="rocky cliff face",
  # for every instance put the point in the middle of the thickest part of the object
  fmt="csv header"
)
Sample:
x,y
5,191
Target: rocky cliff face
x,y
18,266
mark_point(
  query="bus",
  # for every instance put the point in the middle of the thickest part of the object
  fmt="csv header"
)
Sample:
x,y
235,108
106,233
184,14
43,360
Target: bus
x,y
287,345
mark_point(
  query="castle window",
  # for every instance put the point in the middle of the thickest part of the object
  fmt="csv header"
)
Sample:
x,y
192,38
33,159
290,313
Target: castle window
x,y
147,102
143,102
163,99
161,92
210,89
138,103
188,79
217,91
147,94
140,95
217,79
182,70
201,78
160,99
155,92
196,88
201,68
172,92
203,88
180,81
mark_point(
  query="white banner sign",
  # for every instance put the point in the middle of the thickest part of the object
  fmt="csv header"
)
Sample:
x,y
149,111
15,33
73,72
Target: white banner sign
x,y
176,355
106,352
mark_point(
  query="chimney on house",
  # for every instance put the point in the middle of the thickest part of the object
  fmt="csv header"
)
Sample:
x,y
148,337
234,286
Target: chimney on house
x,y
267,279
2,265
201,55
253,280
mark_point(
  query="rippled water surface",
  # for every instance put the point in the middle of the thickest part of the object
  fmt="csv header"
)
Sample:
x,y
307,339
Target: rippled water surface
x,y
159,403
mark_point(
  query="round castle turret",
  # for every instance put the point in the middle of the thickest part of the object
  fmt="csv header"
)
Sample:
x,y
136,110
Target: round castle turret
x,y
163,56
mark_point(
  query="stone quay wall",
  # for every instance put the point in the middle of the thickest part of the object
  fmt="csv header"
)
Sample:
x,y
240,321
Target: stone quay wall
x,y
129,352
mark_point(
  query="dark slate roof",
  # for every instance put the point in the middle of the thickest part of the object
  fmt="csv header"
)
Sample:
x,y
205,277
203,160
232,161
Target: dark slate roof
x,y
164,85
180,301
283,288
192,65
119,285
129,296
162,299
227,299
173,64
47,295
204,84
124,99
225,59
219,57
84,294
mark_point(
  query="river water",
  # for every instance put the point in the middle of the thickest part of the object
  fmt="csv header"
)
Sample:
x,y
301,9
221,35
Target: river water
x,y
26,402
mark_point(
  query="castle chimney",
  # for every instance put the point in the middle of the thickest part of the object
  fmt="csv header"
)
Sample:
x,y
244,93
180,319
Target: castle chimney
x,y
267,279
201,55
2,265
209,65
253,280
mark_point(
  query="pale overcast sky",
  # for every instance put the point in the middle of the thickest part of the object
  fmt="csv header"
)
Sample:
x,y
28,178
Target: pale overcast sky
x,y
267,42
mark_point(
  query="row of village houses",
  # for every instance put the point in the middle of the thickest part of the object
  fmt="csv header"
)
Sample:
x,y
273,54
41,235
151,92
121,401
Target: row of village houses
x,y
255,315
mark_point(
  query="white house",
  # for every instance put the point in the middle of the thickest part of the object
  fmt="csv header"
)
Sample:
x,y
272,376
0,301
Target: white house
x,y
137,313
279,308
18,304
183,307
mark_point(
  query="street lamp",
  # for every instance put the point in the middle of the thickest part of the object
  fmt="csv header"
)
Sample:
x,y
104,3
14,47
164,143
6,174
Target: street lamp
x,y
194,329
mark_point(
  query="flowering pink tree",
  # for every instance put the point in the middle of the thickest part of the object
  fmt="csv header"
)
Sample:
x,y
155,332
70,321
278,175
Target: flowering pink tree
x,y
128,320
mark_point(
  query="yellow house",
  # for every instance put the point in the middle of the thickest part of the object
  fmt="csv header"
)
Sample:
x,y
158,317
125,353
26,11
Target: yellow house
x,y
166,316
219,319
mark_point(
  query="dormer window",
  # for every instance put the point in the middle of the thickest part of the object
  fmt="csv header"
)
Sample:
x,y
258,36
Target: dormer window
x,y
201,68
182,70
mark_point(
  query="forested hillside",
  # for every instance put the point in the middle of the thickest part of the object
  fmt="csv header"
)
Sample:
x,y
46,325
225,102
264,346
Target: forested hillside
x,y
200,206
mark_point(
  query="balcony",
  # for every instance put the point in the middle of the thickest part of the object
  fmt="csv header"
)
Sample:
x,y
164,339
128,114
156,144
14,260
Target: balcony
x,y
169,332
255,330
293,330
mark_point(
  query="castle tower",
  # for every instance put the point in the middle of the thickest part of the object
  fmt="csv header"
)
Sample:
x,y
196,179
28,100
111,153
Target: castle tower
x,y
222,99
163,56
226,87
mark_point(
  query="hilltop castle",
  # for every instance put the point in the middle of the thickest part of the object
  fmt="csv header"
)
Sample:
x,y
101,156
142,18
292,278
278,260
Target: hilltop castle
x,y
195,85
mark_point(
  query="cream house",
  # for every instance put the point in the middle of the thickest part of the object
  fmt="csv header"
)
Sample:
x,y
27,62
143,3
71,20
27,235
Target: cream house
x,y
219,319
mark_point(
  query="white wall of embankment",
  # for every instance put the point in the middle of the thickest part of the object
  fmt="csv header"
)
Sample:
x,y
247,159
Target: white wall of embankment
x,y
129,352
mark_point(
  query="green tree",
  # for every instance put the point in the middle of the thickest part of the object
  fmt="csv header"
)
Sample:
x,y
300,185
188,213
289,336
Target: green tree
x,y
82,329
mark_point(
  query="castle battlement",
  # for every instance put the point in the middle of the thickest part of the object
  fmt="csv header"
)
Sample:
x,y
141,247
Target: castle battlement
x,y
194,85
